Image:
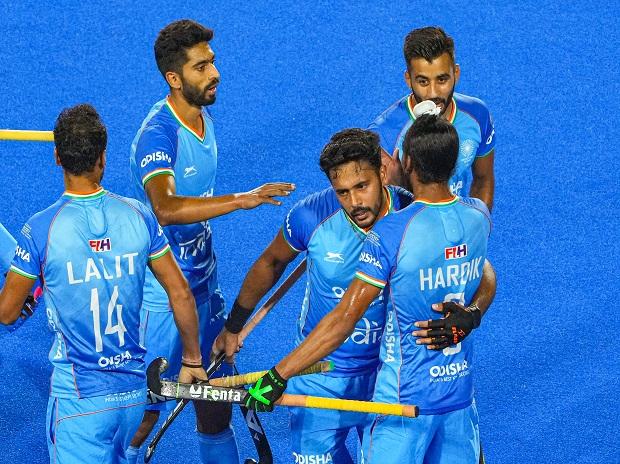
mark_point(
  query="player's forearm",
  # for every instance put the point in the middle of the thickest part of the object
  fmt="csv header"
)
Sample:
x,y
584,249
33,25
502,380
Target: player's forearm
x,y
261,277
176,209
483,188
486,290
186,319
326,337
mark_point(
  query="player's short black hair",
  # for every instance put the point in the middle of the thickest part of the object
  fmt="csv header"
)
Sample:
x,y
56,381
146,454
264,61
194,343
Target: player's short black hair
x,y
80,138
174,40
428,43
351,145
432,146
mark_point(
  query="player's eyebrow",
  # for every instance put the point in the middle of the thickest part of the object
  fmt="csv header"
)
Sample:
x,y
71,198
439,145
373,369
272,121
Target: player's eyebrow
x,y
203,62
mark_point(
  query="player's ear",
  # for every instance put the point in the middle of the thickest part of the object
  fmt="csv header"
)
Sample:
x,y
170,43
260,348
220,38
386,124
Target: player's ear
x,y
457,73
102,159
173,79
57,158
407,77
383,174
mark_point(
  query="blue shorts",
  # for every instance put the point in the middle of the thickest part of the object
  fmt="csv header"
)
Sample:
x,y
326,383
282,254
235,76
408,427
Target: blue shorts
x,y
319,435
160,337
96,429
450,438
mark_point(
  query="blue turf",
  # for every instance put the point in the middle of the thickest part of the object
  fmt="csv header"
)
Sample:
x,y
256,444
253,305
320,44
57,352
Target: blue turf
x,y
292,74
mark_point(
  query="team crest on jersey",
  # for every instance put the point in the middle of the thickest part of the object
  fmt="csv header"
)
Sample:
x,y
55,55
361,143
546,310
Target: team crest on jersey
x,y
467,149
456,252
101,245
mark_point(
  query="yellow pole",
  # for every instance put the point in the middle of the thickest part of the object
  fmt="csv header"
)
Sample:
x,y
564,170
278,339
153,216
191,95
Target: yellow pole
x,y
26,135
251,377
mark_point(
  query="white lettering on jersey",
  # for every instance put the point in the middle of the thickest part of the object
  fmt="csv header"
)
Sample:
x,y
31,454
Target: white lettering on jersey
x,y
390,338
23,254
368,258
449,372
490,139
368,335
190,171
157,156
456,274
312,458
96,270
456,187
114,361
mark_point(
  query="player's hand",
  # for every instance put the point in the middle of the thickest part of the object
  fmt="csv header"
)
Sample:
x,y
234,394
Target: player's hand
x,y
395,174
192,374
228,343
457,323
265,392
264,194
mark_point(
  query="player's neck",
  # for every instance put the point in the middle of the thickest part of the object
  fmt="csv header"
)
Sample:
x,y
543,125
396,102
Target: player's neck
x,y
432,193
190,115
81,184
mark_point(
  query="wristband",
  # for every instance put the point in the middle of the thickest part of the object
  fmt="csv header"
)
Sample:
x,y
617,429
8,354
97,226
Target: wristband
x,y
237,318
475,311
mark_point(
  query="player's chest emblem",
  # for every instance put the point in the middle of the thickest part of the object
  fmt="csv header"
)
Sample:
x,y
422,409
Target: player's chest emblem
x,y
467,149
333,257
190,171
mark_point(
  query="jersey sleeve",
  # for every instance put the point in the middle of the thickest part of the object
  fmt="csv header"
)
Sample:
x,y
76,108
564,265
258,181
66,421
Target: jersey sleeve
x,y
155,153
27,259
378,256
487,143
159,243
298,227
7,249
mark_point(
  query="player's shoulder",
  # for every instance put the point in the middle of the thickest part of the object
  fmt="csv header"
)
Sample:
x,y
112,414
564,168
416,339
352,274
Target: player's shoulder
x,y
319,204
159,121
38,225
397,111
473,106
400,197
131,205
476,205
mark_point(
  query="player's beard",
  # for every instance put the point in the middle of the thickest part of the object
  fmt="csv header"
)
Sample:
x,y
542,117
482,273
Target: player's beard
x,y
445,102
368,222
196,96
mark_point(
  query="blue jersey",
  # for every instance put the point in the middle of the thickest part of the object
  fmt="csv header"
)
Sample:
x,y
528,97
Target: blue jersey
x,y
7,251
319,226
91,252
165,145
469,116
425,254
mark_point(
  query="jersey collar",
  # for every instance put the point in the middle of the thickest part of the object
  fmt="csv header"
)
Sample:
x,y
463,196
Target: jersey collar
x,y
388,207
180,120
411,103
85,196
446,202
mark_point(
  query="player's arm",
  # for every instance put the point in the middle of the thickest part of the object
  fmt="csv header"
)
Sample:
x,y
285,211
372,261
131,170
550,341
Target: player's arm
x,y
483,184
171,208
326,337
262,276
167,272
13,298
459,320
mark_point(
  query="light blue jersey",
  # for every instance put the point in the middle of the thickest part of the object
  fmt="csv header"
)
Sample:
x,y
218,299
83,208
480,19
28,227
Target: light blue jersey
x,y
319,226
471,120
165,145
424,254
7,251
91,252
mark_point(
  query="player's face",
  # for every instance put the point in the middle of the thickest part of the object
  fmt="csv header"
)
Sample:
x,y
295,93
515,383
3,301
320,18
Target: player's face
x,y
359,188
434,80
199,77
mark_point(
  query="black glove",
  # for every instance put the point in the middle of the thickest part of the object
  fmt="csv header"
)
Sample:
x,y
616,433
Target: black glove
x,y
457,324
265,392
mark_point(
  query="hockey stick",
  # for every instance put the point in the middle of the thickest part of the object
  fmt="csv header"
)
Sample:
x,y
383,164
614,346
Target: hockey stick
x,y
206,392
251,377
260,314
27,135
257,432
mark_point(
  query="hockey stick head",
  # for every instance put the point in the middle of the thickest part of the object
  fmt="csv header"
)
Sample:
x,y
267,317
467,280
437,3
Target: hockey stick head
x,y
153,374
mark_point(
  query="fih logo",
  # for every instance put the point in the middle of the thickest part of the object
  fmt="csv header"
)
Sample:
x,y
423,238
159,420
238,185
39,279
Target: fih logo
x,y
456,252
101,245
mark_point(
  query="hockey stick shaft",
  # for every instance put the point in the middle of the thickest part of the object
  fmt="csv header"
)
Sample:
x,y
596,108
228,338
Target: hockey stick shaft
x,y
206,392
26,135
251,377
